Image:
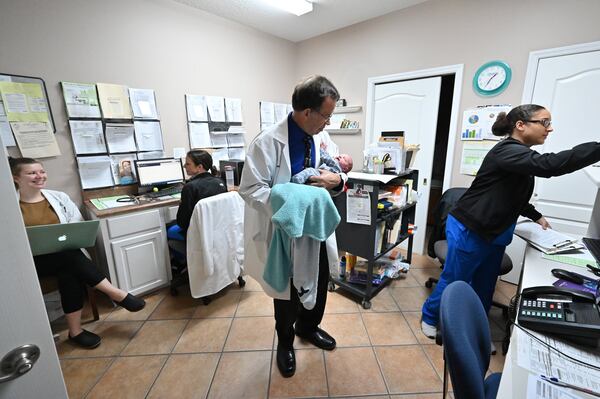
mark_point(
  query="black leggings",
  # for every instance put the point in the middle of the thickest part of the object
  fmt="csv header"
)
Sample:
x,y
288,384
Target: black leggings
x,y
74,270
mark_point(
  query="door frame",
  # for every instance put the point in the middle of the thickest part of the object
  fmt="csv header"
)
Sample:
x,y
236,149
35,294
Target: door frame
x,y
536,56
457,70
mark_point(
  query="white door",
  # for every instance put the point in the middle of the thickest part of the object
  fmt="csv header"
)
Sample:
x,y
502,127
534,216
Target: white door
x,y
22,313
567,84
411,106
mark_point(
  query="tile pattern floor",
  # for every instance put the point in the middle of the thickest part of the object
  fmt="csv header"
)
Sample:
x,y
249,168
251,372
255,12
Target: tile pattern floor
x,y
179,348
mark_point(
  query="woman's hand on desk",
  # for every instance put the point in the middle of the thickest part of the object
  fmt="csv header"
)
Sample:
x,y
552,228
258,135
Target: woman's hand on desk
x,y
544,223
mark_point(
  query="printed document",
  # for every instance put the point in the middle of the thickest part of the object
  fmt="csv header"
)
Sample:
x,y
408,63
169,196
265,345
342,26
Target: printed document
x,y
119,137
218,139
233,109
267,112
196,108
114,100
143,103
472,156
95,171
537,388
280,111
87,136
216,108
218,155
35,139
237,153
148,136
7,138
548,241
123,168
24,102
538,358
199,135
151,155
358,206
235,140
81,100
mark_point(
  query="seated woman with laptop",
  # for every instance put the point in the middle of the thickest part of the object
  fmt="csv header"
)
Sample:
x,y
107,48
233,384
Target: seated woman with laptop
x,y
72,268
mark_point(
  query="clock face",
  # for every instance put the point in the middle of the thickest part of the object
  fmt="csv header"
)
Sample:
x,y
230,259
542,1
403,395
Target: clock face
x,y
492,78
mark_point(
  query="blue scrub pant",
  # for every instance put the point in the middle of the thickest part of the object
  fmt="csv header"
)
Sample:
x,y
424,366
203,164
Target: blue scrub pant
x,y
471,259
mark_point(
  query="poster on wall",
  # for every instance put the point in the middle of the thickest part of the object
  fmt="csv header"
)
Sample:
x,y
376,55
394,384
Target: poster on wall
x,y
477,122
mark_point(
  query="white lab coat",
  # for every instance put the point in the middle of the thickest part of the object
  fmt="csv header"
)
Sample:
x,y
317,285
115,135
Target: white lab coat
x,y
215,244
268,163
66,209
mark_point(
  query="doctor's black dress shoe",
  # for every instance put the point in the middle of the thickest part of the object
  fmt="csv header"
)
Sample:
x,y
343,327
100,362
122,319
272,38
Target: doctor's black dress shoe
x,y
286,361
318,338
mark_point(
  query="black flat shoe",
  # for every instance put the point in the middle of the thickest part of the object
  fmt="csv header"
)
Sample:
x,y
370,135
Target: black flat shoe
x,y
318,338
132,303
86,339
286,361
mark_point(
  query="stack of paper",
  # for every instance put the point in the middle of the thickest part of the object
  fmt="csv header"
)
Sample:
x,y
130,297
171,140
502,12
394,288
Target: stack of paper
x,y
548,241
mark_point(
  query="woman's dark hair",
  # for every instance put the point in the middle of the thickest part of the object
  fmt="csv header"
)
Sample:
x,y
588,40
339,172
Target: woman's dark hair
x,y
201,157
312,91
16,163
505,123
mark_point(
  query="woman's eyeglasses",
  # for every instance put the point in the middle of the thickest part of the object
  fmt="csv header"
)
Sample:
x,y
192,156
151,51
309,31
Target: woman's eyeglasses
x,y
544,122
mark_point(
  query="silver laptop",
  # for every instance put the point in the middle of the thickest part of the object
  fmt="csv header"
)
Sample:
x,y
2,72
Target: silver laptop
x,y
51,238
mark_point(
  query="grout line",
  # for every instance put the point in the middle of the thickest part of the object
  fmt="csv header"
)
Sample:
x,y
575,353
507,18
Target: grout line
x,y
100,377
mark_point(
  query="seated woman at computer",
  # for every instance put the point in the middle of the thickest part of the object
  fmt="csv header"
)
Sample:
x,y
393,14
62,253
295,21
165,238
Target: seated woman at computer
x,y
204,183
73,269
481,225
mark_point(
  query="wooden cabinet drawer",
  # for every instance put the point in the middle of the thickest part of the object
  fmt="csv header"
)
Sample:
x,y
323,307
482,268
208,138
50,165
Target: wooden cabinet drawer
x,y
133,223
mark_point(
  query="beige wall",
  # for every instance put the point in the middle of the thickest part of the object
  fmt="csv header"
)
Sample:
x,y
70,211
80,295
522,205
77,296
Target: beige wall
x,y
155,44
446,32
174,49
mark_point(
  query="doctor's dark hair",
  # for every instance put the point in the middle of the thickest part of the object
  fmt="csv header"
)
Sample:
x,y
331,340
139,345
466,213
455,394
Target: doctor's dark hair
x,y
201,157
505,123
312,91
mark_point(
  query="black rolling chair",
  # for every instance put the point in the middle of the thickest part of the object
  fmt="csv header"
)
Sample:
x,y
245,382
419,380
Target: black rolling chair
x,y
465,335
438,246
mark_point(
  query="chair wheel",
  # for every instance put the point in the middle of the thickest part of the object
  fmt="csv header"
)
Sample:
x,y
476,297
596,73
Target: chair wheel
x,y
174,291
428,284
241,282
366,304
206,300
330,286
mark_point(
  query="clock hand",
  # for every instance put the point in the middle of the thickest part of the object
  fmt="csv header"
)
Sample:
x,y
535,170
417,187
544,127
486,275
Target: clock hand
x,y
490,79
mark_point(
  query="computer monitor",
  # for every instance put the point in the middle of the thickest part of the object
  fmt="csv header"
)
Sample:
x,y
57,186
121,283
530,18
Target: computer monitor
x,y
159,172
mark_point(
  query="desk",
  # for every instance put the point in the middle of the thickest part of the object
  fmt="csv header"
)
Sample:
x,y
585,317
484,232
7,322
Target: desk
x,y
536,271
132,244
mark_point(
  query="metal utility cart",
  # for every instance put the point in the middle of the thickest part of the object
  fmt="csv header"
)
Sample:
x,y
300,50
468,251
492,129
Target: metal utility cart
x,y
360,239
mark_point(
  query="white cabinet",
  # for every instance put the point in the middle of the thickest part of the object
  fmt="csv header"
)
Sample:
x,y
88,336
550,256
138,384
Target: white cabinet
x,y
140,262
132,248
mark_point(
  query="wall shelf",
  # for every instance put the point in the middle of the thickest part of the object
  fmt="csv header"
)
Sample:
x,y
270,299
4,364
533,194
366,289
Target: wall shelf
x,y
346,110
343,131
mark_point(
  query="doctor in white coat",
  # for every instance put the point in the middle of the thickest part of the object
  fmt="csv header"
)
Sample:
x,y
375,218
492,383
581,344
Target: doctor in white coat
x,y
274,156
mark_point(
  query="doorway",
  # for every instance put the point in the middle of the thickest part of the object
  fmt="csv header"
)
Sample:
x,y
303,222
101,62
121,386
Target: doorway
x,y
431,98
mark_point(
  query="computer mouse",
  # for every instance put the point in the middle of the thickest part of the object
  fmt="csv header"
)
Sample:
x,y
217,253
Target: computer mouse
x,y
567,275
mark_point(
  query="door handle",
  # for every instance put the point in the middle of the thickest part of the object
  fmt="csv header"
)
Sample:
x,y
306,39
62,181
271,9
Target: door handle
x,y
18,362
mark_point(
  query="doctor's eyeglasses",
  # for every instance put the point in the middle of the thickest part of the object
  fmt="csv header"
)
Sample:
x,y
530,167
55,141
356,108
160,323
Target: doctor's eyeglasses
x,y
544,122
326,117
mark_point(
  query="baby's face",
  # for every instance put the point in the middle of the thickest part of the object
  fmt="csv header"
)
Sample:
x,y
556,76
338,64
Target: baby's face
x,y
345,162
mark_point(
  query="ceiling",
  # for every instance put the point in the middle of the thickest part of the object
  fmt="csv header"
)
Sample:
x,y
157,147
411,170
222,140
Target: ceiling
x,y
327,15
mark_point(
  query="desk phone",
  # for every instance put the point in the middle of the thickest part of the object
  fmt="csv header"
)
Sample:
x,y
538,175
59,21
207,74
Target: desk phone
x,y
571,314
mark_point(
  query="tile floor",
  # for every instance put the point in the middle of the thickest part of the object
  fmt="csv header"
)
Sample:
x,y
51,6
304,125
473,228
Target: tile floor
x,y
179,348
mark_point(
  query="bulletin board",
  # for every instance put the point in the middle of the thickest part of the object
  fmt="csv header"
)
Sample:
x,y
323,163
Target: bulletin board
x,y
38,81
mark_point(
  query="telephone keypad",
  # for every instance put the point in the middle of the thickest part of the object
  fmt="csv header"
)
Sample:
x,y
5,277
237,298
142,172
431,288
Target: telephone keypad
x,y
543,310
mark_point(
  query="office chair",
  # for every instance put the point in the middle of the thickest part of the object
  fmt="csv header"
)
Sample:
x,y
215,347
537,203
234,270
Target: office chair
x,y
214,250
465,336
438,246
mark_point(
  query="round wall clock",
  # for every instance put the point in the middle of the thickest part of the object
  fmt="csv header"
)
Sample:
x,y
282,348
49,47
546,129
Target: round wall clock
x,y
492,78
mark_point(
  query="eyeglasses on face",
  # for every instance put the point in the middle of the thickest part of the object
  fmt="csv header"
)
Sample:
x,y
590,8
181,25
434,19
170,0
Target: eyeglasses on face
x,y
326,117
544,122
